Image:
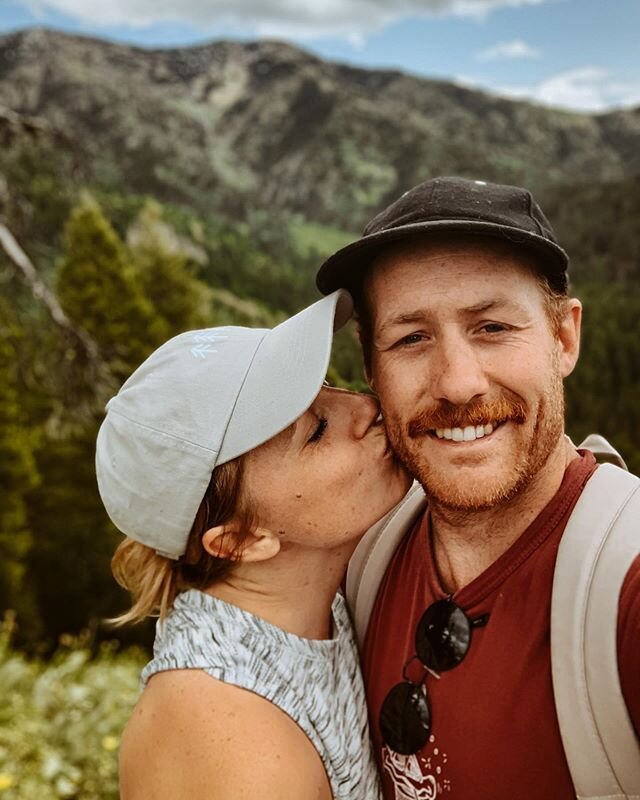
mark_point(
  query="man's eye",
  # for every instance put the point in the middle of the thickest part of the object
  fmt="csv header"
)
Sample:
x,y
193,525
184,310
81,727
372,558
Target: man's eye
x,y
412,338
319,431
493,327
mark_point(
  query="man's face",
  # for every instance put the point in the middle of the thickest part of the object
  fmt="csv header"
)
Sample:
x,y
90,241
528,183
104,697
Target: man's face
x,y
467,367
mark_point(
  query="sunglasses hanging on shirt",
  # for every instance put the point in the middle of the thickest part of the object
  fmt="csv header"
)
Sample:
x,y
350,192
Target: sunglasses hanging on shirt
x,y
442,640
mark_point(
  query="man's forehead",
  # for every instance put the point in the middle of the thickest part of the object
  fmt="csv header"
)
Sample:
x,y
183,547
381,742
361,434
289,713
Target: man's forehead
x,y
439,266
454,248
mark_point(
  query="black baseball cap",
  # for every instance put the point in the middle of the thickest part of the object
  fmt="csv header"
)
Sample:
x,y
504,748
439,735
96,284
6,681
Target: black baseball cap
x,y
451,205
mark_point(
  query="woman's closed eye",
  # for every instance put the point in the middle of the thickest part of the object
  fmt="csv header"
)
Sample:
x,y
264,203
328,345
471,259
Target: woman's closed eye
x,y
319,431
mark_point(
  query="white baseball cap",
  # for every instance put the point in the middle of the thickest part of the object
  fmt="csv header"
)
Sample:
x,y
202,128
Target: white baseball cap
x,y
202,399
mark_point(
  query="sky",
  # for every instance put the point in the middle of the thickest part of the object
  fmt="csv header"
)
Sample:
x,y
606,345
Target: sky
x,y
577,54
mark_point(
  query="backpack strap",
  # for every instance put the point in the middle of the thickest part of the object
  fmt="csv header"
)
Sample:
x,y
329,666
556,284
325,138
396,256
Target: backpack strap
x,y
373,553
603,450
597,548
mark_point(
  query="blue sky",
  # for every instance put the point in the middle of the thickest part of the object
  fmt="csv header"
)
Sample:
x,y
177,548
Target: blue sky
x,y
581,54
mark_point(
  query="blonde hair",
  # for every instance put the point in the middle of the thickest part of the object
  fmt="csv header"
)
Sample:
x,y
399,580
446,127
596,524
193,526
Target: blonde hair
x,y
155,581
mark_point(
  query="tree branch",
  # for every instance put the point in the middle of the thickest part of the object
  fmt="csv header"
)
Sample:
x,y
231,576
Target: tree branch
x,y
23,264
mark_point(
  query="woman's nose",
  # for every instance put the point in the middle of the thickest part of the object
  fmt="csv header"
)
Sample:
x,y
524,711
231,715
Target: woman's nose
x,y
362,410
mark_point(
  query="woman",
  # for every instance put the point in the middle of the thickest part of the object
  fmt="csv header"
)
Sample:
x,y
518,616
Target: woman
x,y
243,487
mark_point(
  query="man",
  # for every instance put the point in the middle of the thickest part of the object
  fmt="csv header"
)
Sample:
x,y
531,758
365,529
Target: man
x,y
468,332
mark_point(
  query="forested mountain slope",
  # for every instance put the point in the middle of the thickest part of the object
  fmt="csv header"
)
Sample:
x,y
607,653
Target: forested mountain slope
x,y
236,126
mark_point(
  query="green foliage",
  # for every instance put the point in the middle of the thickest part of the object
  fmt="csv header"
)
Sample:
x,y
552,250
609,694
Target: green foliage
x,y
603,395
101,292
235,264
346,368
18,475
162,260
75,540
312,239
37,172
61,722
598,226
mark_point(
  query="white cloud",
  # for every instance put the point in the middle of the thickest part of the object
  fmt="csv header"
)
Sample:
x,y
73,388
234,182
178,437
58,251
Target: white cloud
x,y
582,89
349,19
516,48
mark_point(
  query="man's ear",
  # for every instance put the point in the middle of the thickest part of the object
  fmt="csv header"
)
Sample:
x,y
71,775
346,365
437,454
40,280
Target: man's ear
x,y
227,541
569,336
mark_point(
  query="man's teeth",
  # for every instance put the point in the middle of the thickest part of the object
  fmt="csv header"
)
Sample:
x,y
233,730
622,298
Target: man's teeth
x,y
468,434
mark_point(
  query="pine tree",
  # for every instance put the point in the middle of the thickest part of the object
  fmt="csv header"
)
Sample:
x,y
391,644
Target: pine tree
x,y
101,292
161,258
18,476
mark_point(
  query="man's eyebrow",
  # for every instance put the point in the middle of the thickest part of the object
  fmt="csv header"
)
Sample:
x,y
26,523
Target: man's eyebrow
x,y
422,315
495,304
403,319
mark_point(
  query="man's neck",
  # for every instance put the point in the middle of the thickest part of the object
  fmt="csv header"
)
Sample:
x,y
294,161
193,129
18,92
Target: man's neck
x,y
466,544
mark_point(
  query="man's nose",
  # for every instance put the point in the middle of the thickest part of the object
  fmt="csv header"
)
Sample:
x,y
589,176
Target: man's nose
x,y
458,372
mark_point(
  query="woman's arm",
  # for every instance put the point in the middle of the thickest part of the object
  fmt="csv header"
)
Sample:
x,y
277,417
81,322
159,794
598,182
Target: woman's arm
x,y
192,737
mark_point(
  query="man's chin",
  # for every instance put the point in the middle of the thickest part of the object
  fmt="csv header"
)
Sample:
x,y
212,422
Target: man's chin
x,y
470,490
470,499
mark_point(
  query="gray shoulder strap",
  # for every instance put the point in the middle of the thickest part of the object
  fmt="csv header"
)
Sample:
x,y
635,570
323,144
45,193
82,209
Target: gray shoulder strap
x,y
597,548
603,450
373,553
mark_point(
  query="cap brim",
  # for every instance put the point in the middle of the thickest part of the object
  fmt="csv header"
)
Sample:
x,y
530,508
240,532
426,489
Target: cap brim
x,y
285,375
346,268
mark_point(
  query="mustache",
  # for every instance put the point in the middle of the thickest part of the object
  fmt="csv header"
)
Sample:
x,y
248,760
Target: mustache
x,y
482,412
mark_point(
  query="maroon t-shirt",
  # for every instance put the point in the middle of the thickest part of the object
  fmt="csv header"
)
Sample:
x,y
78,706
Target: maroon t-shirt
x,y
494,732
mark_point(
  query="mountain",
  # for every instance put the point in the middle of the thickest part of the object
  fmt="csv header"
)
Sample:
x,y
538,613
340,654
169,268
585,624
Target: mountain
x,y
233,126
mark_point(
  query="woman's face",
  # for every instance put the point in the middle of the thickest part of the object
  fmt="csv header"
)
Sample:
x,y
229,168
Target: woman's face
x,y
328,477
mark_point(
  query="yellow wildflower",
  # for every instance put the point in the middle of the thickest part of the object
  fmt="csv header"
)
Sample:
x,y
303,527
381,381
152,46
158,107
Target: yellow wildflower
x,y
110,743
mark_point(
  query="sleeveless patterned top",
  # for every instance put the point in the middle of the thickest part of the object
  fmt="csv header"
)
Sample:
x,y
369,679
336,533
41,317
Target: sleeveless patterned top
x,y
316,682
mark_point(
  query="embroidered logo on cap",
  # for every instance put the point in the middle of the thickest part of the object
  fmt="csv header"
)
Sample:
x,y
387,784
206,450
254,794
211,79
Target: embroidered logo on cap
x,y
203,344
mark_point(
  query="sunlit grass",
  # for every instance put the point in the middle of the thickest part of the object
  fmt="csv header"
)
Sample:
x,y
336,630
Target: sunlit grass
x,y
61,721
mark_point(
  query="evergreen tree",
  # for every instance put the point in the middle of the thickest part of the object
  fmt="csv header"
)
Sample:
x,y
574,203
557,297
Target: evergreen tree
x,y
603,392
161,258
101,292
71,564
18,476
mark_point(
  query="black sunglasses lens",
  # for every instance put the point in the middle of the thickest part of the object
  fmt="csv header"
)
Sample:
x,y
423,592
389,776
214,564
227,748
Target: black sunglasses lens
x,y
405,720
443,636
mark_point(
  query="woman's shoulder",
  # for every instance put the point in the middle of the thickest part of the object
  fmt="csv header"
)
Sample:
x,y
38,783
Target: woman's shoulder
x,y
192,736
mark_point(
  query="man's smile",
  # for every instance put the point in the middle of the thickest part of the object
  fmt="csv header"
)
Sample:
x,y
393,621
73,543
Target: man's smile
x,y
469,433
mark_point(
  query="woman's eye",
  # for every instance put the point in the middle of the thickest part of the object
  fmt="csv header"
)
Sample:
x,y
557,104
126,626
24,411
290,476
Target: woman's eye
x,y
319,431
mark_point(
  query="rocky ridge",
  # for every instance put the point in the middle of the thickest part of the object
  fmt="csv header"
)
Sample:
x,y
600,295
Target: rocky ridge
x,y
231,126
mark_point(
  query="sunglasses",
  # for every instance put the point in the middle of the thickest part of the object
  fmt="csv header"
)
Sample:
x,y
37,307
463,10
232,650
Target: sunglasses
x,y
442,640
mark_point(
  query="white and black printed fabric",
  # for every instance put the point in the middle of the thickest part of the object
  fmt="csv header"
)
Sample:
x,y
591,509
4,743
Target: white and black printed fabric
x,y
317,683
